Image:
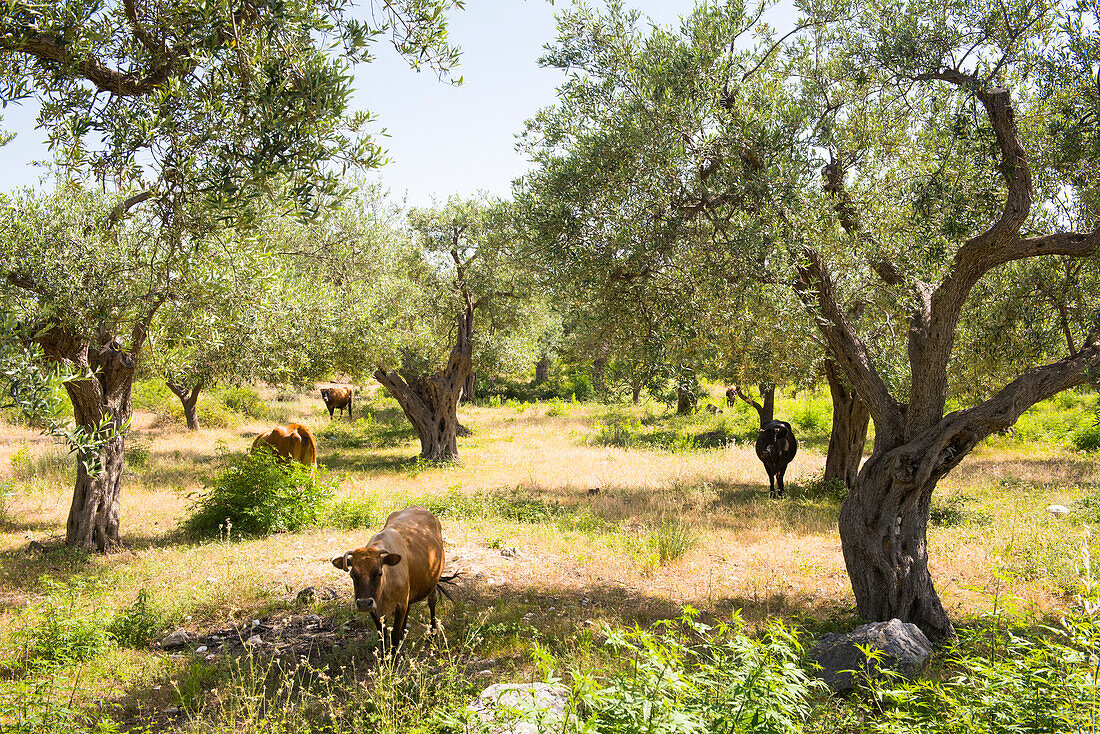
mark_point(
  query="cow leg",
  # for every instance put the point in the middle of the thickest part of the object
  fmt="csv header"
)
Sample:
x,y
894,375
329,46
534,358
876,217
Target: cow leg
x,y
431,608
381,627
350,416
771,485
779,476
331,410
400,617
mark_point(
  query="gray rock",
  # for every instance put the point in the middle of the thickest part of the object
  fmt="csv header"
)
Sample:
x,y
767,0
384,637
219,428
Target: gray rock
x,y
329,593
904,648
179,638
521,708
306,595
254,641
509,552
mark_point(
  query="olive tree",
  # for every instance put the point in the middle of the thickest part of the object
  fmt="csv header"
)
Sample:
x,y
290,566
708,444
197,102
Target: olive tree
x,y
192,112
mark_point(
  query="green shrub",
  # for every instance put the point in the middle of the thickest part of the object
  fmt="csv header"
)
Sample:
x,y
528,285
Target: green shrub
x,y
353,513
686,676
63,628
246,401
137,453
812,416
830,490
1087,438
138,625
260,493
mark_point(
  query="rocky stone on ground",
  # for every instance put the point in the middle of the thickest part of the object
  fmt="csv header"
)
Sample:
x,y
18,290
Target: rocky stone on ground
x,y
521,708
306,595
179,638
904,649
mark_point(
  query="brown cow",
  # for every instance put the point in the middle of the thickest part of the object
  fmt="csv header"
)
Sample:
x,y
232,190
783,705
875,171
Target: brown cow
x,y
398,567
293,442
337,397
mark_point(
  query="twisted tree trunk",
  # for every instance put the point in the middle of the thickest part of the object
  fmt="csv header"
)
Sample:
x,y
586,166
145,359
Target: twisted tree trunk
x,y
430,402
849,431
101,408
765,411
190,400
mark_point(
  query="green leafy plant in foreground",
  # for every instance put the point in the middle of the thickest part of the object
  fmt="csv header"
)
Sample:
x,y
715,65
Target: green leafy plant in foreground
x,y
260,493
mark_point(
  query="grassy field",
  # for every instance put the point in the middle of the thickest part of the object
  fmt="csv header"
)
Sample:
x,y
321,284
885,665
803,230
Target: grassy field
x,y
561,517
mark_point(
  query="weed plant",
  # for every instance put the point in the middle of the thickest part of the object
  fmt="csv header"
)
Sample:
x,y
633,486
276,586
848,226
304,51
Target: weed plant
x,y
65,627
138,625
260,493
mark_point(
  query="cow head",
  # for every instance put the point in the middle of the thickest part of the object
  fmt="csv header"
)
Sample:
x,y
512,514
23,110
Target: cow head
x,y
326,394
367,567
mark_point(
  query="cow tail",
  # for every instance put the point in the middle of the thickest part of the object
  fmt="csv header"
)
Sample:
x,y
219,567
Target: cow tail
x,y
439,585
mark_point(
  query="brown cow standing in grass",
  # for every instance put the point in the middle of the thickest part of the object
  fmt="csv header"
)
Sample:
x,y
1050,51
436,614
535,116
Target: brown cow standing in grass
x,y
398,567
294,442
337,397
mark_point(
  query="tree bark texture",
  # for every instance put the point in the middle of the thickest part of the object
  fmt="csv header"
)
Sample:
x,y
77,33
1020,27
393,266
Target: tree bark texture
x,y
599,375
542,370
469,388
430,402
93,522
685,400
849,430
190,400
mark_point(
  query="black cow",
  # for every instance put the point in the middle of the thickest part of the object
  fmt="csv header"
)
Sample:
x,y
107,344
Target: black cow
x,y
776,446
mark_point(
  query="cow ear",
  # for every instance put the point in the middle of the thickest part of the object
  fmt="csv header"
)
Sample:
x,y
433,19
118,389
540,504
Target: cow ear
x,y
391,559
341,562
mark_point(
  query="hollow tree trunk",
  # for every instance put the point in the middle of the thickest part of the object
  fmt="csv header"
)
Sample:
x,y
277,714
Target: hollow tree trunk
x,y
430,402
469,387
849,432
190,401
542,370
101,406
883,532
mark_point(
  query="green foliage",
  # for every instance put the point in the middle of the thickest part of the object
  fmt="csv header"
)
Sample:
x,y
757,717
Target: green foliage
x,y
259,493
820,488
369,430
623,434
38,706
137,453
66,626
1087,438
354,513
246,401
686,676
153,396
137,625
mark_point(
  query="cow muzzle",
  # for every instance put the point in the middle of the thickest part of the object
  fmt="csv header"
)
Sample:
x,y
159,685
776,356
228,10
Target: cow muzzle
x,y
365,605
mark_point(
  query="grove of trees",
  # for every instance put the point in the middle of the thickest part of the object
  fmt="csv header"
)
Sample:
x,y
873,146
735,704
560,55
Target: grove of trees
x,y
897,200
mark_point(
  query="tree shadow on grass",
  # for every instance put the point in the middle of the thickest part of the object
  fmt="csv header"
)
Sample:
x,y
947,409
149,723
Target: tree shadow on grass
x,y
370,463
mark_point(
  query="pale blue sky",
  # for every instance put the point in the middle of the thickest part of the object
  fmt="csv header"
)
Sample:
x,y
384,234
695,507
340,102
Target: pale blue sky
x,y
442,139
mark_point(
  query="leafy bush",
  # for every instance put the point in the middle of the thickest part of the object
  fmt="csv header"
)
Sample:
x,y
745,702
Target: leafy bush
x,y
138,625
686,676
246,401
137,453
21,461
1087,438
63,628
260,493
353,513
153,396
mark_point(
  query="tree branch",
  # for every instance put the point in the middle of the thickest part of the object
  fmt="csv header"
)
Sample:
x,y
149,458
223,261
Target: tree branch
x,y
120,209
103,77
815,289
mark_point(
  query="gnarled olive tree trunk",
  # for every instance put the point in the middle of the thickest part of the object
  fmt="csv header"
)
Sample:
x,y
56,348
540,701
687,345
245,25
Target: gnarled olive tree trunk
x,y
849,430
430,402
189,397
101,405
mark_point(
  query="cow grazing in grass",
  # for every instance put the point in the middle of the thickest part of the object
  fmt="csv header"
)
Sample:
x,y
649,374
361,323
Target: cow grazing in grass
x,y
337,397
294,442
776,447
398,567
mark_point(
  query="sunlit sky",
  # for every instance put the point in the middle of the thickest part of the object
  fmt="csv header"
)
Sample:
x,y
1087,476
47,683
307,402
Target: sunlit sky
x,y
441,139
